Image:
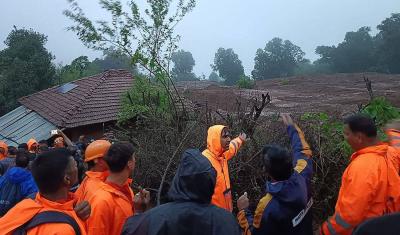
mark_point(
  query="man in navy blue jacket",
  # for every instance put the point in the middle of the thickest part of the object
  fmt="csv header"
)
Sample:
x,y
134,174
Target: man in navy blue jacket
x,y
285,207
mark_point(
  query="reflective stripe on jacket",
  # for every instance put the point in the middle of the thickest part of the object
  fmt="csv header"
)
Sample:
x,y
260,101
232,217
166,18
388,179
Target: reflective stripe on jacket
x,y
284,210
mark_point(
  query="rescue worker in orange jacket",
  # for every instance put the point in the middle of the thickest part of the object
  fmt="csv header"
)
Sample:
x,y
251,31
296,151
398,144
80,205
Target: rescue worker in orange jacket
x,y
3,150
32,146
370,182
97,169
113,202
220,149
54,173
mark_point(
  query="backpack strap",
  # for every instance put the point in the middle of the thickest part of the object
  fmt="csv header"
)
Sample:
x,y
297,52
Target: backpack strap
x,y
46,217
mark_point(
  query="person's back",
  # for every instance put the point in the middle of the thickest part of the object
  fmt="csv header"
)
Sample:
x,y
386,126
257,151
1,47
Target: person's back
x,y
9,161
190,212
16,184
284,210
98,169
53,172
113,203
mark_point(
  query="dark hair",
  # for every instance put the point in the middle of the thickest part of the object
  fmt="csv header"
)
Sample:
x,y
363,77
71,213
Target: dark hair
x,y
118,156
12,150
42,142
90,164
48,169
278,162
22,159
23,146
362,124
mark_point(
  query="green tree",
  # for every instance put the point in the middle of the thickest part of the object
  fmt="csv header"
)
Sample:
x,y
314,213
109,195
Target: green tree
x,y
278,59
354,54
389,46
82,67
183,66
228,65
25,67
144,35
214,77
245,82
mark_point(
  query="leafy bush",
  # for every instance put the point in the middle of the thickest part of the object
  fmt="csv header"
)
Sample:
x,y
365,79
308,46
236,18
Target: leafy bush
x,y
146,98
245,82
381,110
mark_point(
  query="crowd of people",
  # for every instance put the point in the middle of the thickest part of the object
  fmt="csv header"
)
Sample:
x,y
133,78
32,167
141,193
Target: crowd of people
x,y
86,188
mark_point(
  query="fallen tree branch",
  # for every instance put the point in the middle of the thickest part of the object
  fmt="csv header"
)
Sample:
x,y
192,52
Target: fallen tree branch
x,y
171,160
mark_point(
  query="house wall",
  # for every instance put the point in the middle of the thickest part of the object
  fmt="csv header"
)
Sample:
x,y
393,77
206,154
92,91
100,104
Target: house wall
x,y
95,131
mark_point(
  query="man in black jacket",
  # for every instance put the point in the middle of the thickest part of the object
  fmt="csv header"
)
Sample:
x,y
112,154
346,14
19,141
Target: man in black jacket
x,y
190,212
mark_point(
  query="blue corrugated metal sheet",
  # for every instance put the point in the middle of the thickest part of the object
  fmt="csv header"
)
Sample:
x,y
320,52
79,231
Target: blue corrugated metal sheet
x,y
21,124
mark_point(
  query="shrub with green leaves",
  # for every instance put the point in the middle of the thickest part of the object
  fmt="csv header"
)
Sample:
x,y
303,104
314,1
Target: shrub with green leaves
x,y
145,98
245,82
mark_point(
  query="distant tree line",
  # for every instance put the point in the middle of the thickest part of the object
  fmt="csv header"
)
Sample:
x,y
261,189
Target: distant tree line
x,y
359,52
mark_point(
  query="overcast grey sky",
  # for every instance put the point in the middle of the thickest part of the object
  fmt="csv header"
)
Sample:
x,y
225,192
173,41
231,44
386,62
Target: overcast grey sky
x,y
242,25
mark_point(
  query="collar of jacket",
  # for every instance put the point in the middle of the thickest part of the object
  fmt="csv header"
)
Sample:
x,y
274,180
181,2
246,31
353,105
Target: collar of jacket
x,y
101,175
219,158
379,149
114,191
64,206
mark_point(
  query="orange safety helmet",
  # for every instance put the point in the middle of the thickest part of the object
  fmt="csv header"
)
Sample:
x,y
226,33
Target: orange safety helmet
x,y
96,149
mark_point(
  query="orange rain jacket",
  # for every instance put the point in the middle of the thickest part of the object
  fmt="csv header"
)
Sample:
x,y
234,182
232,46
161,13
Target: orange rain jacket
x,y
26,209
5,147
90,184
110,209
394,141
219,160
365,189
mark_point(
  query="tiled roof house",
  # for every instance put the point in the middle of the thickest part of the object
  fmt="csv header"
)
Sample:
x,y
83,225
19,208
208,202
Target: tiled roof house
x,y
84,106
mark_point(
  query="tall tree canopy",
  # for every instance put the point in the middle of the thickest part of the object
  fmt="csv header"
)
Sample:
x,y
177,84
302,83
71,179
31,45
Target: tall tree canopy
x,y
25,67
228,65
360,51
389,44
278,58
354,54
82,67
183,66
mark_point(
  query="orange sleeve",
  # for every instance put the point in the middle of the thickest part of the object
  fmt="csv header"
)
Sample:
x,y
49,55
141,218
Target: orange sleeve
x,y
359,184
234,147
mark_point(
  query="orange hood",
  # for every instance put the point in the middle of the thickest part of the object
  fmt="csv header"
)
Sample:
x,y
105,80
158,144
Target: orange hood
x,y
30,143
5,147
214,140
380,149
